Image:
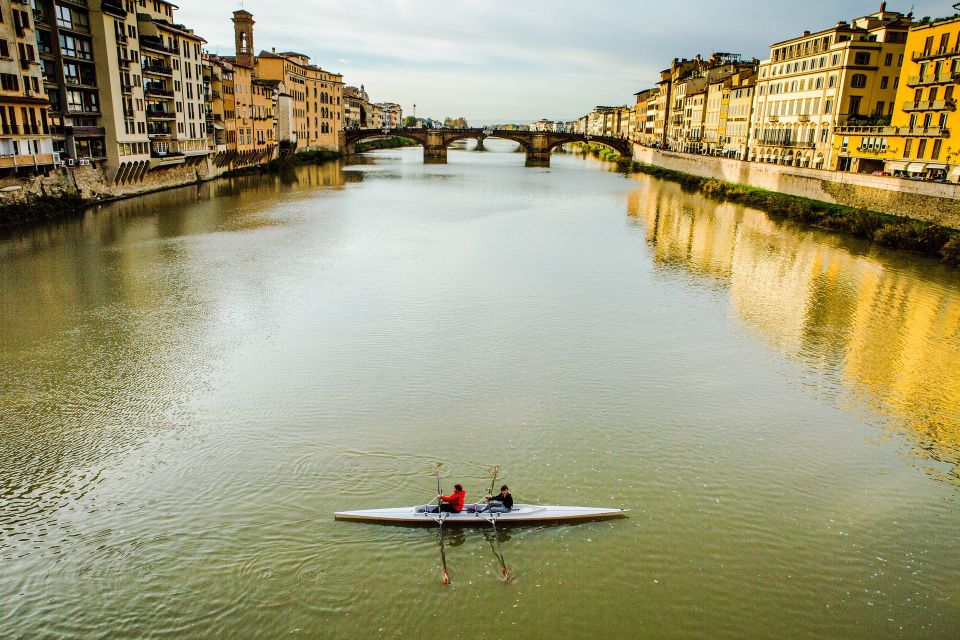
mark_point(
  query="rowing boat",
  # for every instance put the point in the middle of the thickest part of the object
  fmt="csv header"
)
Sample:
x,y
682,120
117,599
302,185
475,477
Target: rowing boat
x,y
470,516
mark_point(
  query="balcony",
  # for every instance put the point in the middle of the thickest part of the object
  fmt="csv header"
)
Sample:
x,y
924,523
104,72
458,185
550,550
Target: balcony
x,y
944,77
153,43
86,132
80,83
930,105
113,7
157,91
7,162
157,69
803,118
904,132
160,114
939,53
158,131
773,118
874,151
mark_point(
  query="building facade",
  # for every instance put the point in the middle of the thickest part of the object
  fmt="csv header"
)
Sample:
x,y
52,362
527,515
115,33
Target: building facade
x,y
26,145
813,83
923,137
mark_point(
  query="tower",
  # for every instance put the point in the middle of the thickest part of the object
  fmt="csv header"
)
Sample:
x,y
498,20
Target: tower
x,y
243,34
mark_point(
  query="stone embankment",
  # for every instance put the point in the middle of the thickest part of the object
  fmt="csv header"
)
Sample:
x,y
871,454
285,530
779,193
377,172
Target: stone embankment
x,y
936,203
69,190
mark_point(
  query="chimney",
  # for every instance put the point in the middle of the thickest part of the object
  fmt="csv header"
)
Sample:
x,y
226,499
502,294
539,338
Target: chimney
x,y
883,7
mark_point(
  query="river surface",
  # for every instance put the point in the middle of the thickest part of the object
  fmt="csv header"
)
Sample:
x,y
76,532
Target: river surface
x,y
193,381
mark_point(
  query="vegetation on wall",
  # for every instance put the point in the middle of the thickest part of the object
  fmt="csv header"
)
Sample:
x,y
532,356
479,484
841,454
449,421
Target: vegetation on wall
x,y
394,142
884,229
40,209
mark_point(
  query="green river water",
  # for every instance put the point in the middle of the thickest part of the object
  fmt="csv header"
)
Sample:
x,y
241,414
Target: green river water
x,y
193,381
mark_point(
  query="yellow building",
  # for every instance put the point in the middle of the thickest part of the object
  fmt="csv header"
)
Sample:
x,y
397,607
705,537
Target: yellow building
x,y
25,142
919,141
816,82
739,111
317,97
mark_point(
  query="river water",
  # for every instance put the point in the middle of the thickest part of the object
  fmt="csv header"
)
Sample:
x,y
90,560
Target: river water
x,y
193,381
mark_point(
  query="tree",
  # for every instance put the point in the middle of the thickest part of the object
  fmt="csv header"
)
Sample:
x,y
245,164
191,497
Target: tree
x,y
409,121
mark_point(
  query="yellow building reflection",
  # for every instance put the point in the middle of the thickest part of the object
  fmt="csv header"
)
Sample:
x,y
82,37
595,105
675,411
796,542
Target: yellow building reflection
x,y
886,326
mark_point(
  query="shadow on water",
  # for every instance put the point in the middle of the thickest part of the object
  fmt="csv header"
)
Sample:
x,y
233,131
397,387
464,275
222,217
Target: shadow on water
x,y
884,325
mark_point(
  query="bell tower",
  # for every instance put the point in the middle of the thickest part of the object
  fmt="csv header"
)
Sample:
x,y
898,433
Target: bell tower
x,y
243,34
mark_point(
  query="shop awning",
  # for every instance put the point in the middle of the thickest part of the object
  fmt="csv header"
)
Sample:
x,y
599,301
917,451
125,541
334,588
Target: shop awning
x,y
895,165
218,127
955,174
916,167
936,167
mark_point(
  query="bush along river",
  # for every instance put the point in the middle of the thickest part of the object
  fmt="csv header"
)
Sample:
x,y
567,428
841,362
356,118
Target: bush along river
x,y
195,380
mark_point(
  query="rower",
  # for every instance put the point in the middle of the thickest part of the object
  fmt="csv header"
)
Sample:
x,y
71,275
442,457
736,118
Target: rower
x,y
453,503
500,503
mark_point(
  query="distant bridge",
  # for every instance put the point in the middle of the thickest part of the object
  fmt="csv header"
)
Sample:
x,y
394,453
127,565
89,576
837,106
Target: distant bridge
x,y
537,144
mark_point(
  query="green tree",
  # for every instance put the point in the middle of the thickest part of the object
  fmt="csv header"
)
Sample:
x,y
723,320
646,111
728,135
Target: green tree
x,y
409,121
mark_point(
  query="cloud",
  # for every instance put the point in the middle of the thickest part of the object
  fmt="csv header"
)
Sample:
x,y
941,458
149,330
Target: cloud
x,y
510,60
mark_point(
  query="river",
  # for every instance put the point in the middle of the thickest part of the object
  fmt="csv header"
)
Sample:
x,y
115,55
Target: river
x,y
193,381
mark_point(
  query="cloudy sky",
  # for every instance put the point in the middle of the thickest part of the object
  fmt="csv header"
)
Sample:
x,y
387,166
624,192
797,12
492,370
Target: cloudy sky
x,y
516,60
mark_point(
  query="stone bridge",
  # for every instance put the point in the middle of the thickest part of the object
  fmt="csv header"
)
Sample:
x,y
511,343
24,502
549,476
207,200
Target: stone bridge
x,y
537,144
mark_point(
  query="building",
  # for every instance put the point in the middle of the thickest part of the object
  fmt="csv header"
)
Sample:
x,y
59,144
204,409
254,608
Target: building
x,y
65,42
26,145
734,130
316,98
221,108
357,110
816,82
173,86
923,137
392,114
644,116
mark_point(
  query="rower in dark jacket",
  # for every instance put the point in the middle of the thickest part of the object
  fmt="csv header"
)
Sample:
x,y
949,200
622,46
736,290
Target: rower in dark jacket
x,y
500,503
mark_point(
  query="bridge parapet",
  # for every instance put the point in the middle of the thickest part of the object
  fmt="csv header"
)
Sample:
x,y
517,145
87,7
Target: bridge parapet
x,y
537,144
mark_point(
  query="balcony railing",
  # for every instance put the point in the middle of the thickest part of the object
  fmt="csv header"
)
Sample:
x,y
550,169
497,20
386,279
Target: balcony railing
x,y
155,44
158,69
939,53
944,77
153,90
930,105
161,114
905,132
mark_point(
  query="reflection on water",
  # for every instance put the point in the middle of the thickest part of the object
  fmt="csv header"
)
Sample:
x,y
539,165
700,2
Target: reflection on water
x,y
885,324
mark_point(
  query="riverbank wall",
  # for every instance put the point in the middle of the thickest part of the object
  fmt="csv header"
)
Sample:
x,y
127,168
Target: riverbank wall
x,y
66,191
935,203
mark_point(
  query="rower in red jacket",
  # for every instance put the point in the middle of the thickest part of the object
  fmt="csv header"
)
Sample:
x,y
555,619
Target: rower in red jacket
x,y
453,503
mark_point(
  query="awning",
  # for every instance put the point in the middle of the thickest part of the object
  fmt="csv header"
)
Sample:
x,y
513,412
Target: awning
x,y
936,167
218,127
916,167
955,174
895,165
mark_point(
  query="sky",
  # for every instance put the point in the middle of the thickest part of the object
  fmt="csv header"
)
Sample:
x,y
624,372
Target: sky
x,y
516,60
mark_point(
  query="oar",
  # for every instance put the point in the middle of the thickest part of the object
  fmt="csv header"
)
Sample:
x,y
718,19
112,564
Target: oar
x,y
445,579
495,470
496,537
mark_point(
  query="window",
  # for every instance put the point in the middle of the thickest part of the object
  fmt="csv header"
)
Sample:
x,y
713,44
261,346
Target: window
x,y
884,81
888,60
861,58
855,105
859,81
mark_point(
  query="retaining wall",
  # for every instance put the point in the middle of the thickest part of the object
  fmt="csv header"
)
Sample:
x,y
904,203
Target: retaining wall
x,y
938,203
